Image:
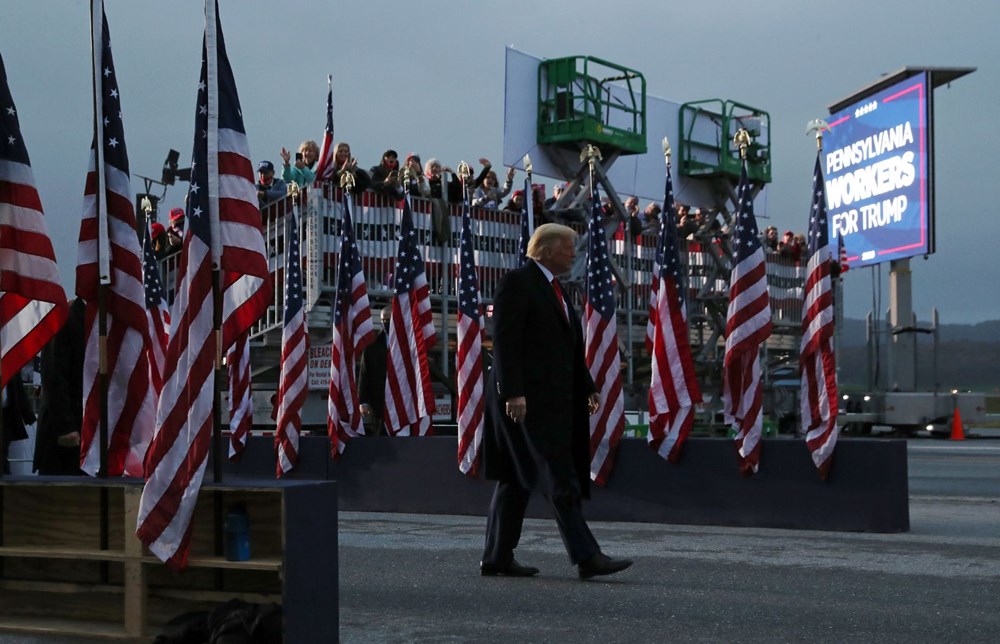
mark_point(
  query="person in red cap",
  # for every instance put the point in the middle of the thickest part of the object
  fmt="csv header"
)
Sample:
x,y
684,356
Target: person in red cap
x,y
788,247
516,202
175,234
156,231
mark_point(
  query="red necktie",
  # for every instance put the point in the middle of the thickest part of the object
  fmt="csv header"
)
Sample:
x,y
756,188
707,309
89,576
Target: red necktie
x,y
559,296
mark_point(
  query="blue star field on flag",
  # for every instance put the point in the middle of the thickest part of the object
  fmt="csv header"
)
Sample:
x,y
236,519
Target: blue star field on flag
x,y
600,287
525,234
350,265
150,272
12,146
114,131
746,239
818,233
293,266
230,118
667,251
409,262
468,281
197,200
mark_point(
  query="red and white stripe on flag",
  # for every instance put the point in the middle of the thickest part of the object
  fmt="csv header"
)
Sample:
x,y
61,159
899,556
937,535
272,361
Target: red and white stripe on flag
x,y
32,300
469,358
325,165
221,198
159,330
293,384
817,360
602,355
157,314
131,399
352,332
409,400
178,453
673,387
343,415
748,325
471,405
240,397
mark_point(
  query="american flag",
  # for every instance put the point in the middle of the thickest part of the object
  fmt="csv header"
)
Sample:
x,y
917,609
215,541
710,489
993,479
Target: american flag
x,y
527,221
748,325
221,199
841,253
603,358
293,385
32,300
240,396
469,360
673,390
816,358
325,167
110,258
352,332
157,313
409,401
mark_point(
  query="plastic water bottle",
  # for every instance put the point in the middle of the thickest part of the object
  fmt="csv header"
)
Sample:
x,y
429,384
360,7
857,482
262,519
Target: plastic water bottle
x,y
237,532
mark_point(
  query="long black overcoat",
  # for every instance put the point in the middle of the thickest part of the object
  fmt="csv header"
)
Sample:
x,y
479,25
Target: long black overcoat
x,y
538,354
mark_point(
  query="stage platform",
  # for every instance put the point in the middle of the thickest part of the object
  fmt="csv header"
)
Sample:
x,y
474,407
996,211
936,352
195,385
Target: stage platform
x,y
867,490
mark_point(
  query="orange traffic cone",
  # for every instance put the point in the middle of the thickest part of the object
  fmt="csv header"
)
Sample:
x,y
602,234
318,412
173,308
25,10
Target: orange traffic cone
x,y
957,433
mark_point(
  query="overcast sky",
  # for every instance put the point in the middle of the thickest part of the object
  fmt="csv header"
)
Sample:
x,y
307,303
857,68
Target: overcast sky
x,y
428,77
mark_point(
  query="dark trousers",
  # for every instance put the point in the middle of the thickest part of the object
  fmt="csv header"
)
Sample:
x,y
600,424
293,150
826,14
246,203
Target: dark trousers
x,y
503,525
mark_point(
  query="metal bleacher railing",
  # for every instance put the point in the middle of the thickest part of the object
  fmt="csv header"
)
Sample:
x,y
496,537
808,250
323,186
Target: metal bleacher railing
x,y
438,225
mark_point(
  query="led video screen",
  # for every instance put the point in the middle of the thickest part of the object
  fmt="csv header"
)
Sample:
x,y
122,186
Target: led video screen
x,y
878,173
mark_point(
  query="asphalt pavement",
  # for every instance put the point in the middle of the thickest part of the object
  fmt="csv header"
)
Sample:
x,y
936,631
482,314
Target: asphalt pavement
x,y
414,578
409,578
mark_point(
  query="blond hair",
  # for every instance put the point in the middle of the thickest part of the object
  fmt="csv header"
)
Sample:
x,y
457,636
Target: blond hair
x,y
545,237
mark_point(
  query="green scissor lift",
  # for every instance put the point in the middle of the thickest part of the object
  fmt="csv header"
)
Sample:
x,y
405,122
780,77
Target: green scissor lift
x,y
707,153
586,99
707,129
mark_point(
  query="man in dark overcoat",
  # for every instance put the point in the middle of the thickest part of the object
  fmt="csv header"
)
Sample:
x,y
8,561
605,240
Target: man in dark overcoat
x,y
371,376
539,395
60,412
17,413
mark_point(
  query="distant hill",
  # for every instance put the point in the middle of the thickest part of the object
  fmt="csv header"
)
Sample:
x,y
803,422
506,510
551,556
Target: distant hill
x,y
968,357
853,333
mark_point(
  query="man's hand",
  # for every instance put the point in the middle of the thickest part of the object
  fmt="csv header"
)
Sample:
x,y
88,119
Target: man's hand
x,y
517,408
593,403
71,439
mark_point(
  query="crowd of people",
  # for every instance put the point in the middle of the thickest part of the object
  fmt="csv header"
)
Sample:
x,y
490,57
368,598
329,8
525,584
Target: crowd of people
x,y
430,179
791,246
441,183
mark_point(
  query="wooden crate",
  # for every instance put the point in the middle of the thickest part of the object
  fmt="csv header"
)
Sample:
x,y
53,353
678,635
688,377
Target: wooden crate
x,y
70,562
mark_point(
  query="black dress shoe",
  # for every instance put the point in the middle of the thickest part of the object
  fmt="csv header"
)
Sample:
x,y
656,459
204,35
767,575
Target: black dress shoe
x,y
601,564
513,569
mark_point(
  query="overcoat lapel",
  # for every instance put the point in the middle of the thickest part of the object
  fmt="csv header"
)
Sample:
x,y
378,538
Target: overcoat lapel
x,y
551,296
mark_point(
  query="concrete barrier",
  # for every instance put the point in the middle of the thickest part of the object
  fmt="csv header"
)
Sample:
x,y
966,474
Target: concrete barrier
x,y
867,490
